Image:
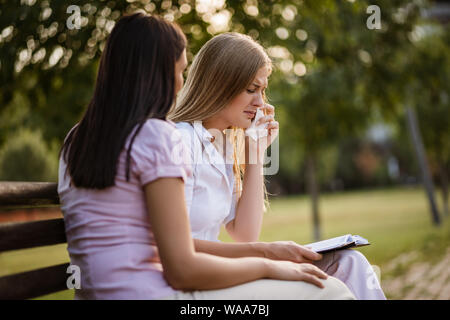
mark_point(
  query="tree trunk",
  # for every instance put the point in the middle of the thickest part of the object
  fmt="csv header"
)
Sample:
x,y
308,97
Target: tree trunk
x,y
313,190
423,164
443,176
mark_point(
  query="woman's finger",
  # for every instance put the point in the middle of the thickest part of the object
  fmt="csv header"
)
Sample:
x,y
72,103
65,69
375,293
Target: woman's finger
x,y
273,128
309,254
269,109
312,269
313,280
265,119
273,125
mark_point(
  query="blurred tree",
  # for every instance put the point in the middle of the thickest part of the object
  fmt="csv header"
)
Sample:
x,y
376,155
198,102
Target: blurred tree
x,y
427,70
420,69
25,157
53,66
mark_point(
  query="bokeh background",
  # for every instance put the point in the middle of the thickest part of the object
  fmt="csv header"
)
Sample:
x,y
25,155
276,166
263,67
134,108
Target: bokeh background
x,y
362,101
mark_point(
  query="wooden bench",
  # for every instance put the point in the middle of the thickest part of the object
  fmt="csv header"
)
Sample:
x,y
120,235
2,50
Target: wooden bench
x,y
24,235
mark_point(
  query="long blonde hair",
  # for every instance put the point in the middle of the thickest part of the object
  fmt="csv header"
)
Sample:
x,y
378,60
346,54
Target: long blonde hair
x,y
224,67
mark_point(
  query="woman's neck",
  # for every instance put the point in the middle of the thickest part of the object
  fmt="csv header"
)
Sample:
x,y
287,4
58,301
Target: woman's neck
x,y
216,124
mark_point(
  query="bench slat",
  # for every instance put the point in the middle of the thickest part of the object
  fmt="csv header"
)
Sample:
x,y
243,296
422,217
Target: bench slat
x,y
24,235
34,283
15,236
13,194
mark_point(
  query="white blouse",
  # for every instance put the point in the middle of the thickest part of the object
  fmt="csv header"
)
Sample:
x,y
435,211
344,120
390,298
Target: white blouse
x,y
210,193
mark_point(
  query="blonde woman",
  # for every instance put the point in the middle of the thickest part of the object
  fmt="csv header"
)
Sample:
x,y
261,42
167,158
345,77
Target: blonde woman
x,y
224,89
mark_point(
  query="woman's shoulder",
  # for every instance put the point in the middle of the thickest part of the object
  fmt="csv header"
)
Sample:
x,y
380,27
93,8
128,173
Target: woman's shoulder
x,y
158,145
163,130
158,127
186,131
155,134
189,136
184,126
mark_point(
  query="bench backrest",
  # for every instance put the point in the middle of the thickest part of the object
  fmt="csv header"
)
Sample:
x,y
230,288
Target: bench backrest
x,y
24,235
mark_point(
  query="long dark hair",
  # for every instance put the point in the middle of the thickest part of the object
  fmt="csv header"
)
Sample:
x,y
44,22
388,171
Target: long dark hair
x,y
135,82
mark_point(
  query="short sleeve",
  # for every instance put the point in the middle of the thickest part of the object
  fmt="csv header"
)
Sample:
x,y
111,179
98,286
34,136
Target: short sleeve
x,y
159,152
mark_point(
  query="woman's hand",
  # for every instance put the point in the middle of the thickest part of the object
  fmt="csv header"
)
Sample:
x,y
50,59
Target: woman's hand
x,y
272,125
258,148
289,250
286,270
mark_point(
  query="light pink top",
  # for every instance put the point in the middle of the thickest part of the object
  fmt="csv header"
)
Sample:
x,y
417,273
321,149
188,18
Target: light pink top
x,y
108,232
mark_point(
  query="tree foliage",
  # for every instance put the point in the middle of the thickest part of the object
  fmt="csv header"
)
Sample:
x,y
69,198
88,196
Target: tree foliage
x,y
332,74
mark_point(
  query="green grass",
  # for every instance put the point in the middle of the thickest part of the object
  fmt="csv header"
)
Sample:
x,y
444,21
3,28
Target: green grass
x,y
393,220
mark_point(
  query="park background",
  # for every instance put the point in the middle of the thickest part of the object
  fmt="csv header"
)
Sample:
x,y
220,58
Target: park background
x,y
358,100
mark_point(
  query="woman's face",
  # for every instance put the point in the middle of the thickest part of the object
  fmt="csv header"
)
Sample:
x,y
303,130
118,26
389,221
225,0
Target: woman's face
x,y
180,66
242,109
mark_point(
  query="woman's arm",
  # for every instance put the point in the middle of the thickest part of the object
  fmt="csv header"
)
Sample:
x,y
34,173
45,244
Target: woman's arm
x,y
278,250
246,226
185,269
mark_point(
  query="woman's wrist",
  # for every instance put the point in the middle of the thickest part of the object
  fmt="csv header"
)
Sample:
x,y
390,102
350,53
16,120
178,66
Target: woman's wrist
x,y
255,166
269,267
254,151
259,249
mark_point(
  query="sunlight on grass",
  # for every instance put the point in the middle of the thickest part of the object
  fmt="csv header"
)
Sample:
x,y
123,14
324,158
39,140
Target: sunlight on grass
x,y
34,258
61,295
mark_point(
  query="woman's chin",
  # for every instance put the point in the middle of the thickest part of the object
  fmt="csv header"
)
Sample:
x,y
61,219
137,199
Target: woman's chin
x,y
246,124
244,127
243,124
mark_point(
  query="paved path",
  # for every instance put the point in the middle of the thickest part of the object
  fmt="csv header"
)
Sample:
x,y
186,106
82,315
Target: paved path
x,y
409,278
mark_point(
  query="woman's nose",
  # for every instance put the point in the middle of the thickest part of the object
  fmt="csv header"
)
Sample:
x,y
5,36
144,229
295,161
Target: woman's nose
x,y
258,101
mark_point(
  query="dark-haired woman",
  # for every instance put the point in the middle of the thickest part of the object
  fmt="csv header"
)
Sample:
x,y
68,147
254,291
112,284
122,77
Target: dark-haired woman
x,y
121,186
